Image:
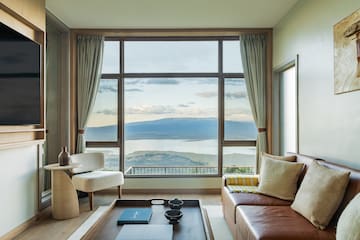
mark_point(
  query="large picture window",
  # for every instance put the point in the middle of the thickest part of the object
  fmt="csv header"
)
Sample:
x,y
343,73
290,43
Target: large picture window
x,y
173,107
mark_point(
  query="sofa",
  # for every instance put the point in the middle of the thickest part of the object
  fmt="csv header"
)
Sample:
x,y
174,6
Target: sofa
x,y
253,216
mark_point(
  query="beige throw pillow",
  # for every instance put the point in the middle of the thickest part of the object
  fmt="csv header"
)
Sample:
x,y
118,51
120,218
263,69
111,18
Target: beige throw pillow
x,y
320,194
279,178
348,227
291,158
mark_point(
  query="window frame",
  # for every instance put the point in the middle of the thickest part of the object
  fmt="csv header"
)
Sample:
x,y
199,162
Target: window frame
x,y
220,75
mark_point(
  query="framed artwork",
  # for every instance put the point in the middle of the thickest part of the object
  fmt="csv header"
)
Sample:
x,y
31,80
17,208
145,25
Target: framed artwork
x,y
347,54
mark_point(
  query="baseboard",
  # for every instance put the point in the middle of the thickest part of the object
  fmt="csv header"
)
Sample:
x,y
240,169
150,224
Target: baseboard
x,y
22,227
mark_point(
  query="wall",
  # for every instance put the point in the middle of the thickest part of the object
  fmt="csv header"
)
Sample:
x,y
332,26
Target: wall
x,y
329,124
18,171
18,186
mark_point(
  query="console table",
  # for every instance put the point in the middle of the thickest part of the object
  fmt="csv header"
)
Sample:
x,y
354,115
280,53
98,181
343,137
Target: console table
x,y
64,200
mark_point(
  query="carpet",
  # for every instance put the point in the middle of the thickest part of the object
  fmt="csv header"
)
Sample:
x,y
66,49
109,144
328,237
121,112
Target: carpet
x,y
218,225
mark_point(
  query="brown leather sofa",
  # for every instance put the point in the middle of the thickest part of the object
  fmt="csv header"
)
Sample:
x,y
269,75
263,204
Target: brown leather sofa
x,y
253,216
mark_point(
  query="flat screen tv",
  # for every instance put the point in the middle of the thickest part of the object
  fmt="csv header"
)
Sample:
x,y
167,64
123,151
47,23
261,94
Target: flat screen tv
x,y
19,79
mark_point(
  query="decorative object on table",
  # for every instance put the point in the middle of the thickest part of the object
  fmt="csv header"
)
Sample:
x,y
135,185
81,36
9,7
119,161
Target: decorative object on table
x,y
347,54
135,216
175,203
173,215
64,157
147,232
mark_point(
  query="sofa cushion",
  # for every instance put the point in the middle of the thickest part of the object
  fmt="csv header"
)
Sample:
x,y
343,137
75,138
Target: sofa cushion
x,y
291,158
276,223
320,194
348,227
279,178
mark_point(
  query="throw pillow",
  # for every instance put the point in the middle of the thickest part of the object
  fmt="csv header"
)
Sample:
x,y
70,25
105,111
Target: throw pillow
x,y
279,178
348,227
320,194
291,158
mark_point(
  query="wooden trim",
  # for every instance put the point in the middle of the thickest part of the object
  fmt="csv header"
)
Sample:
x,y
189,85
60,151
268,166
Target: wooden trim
x,y
187,32
73,108
269,75
16,129
19,229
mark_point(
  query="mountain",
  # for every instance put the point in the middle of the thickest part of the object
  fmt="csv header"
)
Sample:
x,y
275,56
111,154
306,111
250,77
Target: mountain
x,y
174,128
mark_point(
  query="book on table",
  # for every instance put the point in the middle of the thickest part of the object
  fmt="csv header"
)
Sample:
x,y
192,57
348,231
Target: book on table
x,y
145,232
135,216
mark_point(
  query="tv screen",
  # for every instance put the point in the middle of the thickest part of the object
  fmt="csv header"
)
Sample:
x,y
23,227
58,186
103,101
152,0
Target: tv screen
x,y
19,79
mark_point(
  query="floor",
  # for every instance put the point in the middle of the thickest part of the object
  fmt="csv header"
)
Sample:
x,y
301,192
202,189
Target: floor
x,y
48,228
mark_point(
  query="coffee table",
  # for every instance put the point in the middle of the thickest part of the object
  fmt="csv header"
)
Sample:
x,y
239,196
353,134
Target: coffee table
x,y
193,225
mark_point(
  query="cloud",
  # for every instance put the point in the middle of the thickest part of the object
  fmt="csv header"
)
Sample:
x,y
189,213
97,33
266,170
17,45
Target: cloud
x,y
133,90
236,95
183,105
235,82
162,81
107,112
107,88
151,109
209,94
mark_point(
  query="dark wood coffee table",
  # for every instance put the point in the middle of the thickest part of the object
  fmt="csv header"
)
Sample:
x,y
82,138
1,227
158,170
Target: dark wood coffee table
x,y
193,225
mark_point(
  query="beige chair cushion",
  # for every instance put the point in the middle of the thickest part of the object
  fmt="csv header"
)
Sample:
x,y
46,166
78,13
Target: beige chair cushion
x,y
279,178
97,180
320,194
348,227
88,161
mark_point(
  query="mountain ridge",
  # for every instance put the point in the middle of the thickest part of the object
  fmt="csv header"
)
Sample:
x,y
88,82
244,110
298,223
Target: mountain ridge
x,y
174,128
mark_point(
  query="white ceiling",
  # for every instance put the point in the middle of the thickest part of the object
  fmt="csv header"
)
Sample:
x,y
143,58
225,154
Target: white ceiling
x,y
170,13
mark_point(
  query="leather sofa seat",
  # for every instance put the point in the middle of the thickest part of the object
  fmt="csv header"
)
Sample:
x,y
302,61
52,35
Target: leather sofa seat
x,y
232,200
276,223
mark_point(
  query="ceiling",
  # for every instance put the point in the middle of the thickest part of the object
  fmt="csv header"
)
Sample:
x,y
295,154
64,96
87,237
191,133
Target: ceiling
x,y
170,13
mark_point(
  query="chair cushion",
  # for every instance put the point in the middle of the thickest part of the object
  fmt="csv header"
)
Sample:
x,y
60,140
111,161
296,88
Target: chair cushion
x,y
276,223
97,180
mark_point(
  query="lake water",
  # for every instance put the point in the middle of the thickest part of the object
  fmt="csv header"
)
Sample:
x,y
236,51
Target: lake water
x,y
199,147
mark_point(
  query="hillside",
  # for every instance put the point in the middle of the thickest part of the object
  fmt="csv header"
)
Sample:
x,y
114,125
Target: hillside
x,y
175,128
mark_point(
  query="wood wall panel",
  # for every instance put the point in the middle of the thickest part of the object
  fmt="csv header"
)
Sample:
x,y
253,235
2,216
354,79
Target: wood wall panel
x,y
28,18
33,11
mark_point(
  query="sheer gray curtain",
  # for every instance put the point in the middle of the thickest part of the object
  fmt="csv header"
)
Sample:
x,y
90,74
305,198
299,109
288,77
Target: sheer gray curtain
x,y
89,61
253,55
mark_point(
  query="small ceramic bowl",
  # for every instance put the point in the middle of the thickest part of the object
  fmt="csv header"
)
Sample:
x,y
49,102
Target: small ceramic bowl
x,y
175,203
173,215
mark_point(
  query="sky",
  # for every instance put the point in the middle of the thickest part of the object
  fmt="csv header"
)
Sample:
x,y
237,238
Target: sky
x,y
157,98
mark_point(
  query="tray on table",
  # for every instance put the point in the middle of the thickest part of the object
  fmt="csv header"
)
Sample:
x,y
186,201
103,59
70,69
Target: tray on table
x,y
193,225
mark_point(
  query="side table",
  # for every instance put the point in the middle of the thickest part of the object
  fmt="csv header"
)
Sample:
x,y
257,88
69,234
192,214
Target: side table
x,y
64,199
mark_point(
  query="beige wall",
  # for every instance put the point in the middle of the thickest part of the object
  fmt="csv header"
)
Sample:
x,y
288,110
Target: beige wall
x,y
329,124
18,186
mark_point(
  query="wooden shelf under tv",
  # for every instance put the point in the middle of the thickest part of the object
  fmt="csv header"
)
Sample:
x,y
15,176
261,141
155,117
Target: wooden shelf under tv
x,y
13,136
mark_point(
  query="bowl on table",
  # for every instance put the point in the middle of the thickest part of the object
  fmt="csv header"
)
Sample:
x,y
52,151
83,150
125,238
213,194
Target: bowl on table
x,y
175,203
173,215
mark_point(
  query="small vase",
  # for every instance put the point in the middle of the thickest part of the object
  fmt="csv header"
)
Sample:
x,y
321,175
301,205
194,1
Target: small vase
x,y
64,157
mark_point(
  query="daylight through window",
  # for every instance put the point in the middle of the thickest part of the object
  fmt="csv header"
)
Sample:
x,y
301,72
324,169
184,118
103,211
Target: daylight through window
x,y
175,107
